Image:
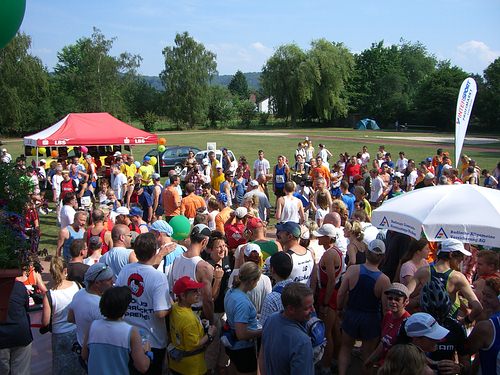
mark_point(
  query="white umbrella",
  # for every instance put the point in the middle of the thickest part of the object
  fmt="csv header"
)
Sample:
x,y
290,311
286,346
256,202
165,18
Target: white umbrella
x,y
468,213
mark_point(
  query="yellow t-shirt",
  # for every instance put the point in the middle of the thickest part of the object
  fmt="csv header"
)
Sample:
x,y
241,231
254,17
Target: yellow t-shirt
x,y
128,170
147,171
216,181
186,332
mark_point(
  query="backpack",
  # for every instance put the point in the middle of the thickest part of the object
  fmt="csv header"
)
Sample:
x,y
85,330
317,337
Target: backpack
x,y
315,328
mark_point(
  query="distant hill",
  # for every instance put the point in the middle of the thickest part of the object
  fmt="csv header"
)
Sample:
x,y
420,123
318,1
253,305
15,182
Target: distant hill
x,y
223,80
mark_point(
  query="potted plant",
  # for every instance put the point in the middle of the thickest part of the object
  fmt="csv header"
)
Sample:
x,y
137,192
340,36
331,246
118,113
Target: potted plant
x,y
18,247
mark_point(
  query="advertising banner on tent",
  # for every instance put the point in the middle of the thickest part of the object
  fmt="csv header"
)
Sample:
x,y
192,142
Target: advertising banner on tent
x,y
465,102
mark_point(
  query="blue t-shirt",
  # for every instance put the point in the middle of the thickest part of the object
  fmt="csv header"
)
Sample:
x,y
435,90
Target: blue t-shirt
x,y
240,309
287,347
349,199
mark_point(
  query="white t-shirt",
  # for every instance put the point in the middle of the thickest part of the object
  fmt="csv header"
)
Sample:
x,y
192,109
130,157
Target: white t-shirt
x,y
261,167
119,180
85,307
401,164
411,179
66,215
377,189
150,293
365,158
258,294
56,184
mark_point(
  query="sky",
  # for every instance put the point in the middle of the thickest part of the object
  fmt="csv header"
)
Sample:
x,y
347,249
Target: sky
x,y
244,34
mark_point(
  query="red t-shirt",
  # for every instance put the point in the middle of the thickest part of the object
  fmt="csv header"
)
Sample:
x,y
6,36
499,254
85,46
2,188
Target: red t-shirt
x,y
351,171
235,235
390,329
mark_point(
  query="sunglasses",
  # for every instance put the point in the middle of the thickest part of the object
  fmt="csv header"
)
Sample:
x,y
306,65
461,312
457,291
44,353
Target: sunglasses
x,y
104,268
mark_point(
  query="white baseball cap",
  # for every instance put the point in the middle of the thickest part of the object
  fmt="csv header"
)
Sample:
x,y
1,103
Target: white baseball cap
x,y
424,325
327,230
451,245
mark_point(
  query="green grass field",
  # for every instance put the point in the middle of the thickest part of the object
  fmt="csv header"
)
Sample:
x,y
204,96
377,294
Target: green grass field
x,y
284,141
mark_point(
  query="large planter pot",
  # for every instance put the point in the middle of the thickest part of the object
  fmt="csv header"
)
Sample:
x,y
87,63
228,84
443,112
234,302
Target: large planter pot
x,y
7,278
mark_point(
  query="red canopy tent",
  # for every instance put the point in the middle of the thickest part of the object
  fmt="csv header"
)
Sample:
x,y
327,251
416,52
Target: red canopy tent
x,y
90,129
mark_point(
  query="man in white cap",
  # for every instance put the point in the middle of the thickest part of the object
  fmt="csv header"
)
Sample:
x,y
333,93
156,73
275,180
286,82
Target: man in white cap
x,y
84,308
360,293
264,204
234,228
6,157
450,254
424,331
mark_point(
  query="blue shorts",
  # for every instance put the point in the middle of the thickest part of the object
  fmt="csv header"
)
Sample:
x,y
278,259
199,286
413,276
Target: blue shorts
x,y
362,325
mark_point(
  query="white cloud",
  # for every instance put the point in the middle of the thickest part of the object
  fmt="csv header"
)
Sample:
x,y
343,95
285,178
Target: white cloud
x,y
475,56
232,57
258,46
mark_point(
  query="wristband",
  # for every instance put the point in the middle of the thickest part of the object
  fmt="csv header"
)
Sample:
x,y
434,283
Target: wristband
x,y
210,337
150,355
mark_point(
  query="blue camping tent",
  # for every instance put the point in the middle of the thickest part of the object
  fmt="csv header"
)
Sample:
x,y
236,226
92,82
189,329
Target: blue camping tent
x,y
367,123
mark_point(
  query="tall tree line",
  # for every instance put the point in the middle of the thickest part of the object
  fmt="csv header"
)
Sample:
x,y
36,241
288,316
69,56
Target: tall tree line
x,y
326,83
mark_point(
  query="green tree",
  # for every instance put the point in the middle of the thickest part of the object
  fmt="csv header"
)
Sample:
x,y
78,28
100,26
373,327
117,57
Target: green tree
x,y
247,112
24,89
287,79
332,65
488,96
89,79
437,96
239,85
189,68
220,107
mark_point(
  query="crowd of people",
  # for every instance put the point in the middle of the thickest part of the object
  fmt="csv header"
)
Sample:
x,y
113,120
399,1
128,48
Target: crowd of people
x,y
237,295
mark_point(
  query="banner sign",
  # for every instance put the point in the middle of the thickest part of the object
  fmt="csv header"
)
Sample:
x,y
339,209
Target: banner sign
x,y
465,101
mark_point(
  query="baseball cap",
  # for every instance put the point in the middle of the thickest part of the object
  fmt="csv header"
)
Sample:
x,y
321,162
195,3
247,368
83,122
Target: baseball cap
x,y
218,166
398,288
201,229
327,230
104,208
424,325
291,227
95,242
98,272
122,210
162,226
147,158
377,246
222,197
304,233
451,245
135,211
241,212
117,153
251,247
253,183
4,150
429,176
254,223
155,176
428,159
184,284
43,161
205,161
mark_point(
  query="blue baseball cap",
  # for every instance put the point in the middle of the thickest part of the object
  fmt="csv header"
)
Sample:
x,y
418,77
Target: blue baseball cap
x,y
163,227
222,197
135,211
147,158
290,227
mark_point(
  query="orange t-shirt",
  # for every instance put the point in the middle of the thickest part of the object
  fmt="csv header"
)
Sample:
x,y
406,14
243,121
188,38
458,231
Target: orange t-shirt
x,y
190,204
171,201
321,171
221,219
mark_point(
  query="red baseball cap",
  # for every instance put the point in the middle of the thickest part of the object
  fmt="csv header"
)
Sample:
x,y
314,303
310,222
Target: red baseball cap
x,y
254,223
184,284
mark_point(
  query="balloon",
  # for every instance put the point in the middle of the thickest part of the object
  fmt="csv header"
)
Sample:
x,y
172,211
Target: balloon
x,y
54,153
137,164
42,150
11,17
84,149
161,148
153,160
33,152
181,226
162,141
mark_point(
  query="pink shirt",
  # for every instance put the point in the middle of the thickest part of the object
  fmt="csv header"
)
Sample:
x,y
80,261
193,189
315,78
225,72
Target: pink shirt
x,y
409,268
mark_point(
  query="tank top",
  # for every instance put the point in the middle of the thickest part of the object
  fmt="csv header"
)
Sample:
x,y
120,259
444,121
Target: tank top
x,y
61,299
73,235
302,267
289,211
105,246
66,187
279,176
490,357
31,277
184,266
362,297
109,347
444,278
222,189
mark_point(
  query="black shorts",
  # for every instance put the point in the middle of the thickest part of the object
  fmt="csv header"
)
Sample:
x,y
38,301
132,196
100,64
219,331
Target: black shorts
x,y
245,360
280,192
